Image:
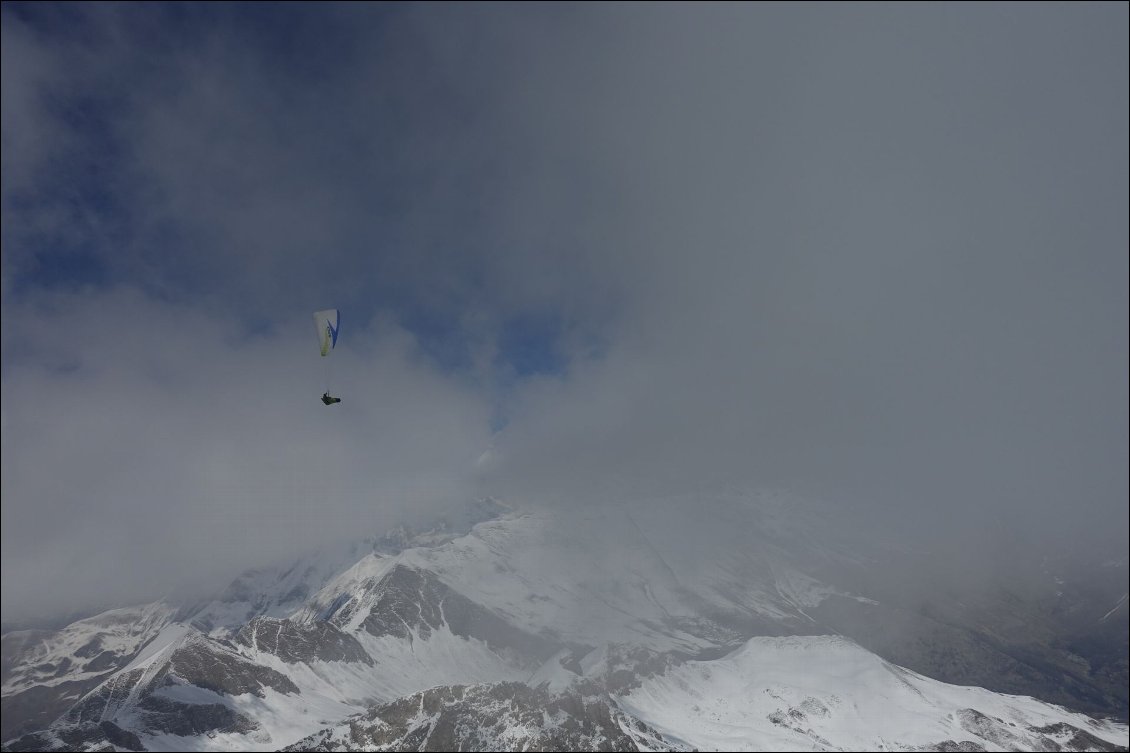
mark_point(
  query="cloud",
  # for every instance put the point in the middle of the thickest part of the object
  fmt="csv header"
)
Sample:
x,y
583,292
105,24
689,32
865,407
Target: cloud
x,y
880,265
149,448
878,257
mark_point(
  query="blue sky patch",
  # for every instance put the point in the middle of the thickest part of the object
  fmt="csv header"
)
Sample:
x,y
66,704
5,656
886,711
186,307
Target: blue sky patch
x,y
530,345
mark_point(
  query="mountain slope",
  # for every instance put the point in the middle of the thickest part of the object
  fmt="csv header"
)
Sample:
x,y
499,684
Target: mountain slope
x,y
277,680
504,716
794,693
622,619
45,672
828,693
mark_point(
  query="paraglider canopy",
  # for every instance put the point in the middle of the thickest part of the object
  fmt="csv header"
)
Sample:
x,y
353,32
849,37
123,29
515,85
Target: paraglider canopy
x,y
327,323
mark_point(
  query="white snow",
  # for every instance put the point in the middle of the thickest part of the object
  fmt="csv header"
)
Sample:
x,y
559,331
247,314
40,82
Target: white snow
x,y
552,675
331,691
118,631
598,578
827,693
159,648
1121,601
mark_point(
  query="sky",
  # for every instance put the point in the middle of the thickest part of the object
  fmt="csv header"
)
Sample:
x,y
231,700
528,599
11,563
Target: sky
x,y
873,254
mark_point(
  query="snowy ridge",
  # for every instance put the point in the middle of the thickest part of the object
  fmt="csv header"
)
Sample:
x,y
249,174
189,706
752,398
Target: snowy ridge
x,y
276,591
355,587
84,648
165,641
285,590
790,693
546,577
502,716
828,693
610,628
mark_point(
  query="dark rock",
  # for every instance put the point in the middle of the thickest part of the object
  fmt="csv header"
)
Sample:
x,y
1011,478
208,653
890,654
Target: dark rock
x,y
949,746
38,706
508,716
206,665
186,719
295,643
120,737
90,649
1079,739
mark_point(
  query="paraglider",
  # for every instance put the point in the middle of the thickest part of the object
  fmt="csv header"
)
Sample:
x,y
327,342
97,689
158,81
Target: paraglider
x,y
327,323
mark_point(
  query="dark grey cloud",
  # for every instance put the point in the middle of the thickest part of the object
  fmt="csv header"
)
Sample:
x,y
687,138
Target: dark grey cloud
x,y
875,254
878,253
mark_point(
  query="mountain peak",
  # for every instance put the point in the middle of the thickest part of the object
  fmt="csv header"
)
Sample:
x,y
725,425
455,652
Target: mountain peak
x,y
621,627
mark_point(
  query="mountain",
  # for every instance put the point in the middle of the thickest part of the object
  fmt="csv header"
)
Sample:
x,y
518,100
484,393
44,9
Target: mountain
x,y
47,671
828,693
501,716
793,693
649,627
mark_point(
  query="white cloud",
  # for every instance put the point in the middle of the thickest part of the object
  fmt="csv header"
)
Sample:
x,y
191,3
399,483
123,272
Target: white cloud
x,y
149,446
857,253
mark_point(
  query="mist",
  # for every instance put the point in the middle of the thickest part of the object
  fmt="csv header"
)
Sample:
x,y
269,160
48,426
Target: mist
x,y
586,256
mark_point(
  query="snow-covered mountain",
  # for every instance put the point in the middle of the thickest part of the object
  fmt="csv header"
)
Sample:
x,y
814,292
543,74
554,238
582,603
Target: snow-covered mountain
x,y
45,672
828,693
618,628
791,693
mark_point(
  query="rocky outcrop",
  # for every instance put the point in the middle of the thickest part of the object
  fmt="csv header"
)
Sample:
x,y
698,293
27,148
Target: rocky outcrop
x,y
88,736
503,716
293,642
160,714
207,665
